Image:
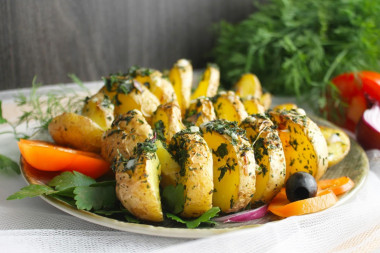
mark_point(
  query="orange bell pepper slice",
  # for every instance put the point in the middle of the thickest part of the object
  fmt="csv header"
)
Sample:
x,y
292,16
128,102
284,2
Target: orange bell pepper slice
x,y
281,206
50,157
337,185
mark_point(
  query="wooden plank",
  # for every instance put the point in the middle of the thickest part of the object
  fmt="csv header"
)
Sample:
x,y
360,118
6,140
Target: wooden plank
x,y
91,38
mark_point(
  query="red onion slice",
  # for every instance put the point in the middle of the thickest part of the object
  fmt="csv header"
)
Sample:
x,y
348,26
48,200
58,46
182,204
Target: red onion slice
x,y
368,128
244,216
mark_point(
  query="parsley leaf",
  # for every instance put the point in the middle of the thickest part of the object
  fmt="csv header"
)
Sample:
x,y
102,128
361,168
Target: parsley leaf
x,y
90,197
68,180
32,190
6,163
174,198
204,218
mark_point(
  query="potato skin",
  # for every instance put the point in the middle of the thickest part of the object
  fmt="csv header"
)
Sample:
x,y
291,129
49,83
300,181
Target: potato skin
x,y
269,156
229,107
76,131
167,121
190,150
234,165
126,131
100,109
137,186
304,146
200,111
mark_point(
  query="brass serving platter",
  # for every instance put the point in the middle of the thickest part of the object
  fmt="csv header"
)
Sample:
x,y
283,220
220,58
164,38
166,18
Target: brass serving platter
x,y
355,165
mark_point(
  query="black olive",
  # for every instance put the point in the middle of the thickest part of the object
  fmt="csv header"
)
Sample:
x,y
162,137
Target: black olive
x,y
301,185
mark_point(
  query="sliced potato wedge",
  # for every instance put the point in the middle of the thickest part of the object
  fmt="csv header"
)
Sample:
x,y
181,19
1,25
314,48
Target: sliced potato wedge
x,y
137,183
208,86
181,77
269,155
169,167
128,94
338,144
248,85
266,100
200,111
253,105
156,83
288,107
304,146
100,109
167,121
229,107
76,131
126,131
190,150
233,163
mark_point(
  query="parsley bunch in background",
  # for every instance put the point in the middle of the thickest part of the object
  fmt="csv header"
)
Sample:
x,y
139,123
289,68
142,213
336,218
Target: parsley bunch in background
x,y
295,47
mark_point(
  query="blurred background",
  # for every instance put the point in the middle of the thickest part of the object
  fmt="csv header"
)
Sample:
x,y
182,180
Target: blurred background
x,y
92,38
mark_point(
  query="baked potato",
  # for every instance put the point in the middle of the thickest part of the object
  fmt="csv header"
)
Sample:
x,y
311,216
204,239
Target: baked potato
x,y
167,121
248,86
126,131
266,100
209,84
288,106
229,107
181,77
234,167
253,105
76,131
137,182
190,150
200,111
100,109
338,144
269,155
128,94
304,146
156,83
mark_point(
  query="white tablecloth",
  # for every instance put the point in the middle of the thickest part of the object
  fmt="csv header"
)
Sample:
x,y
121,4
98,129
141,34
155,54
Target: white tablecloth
x,y
31,225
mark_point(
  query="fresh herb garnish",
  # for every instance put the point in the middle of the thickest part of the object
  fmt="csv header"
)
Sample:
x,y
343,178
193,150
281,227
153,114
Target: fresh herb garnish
x,y
75,188
204,218
174,198
304,42
8,164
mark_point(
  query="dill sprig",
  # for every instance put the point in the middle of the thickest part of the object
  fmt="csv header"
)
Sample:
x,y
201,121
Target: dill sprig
x,y
40,107
296,47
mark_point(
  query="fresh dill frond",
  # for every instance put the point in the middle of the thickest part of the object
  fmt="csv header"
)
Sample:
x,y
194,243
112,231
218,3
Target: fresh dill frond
x,y
40,107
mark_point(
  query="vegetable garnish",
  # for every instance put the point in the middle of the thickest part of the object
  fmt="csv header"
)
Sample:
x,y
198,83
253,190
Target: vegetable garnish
x,y
368,128
328,189
304,42
245,215
204,218
337,185
357,92
281,206
50,157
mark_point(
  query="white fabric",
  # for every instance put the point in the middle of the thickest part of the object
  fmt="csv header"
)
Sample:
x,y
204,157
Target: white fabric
x,y
31,225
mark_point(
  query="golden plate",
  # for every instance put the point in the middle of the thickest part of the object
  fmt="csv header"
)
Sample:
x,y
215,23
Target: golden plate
x,y
355,165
